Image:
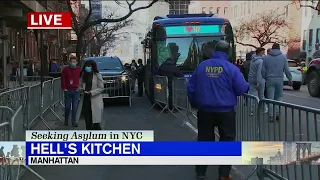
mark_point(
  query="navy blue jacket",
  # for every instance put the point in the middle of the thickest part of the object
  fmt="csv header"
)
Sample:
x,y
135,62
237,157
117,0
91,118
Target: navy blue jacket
x,y
215,84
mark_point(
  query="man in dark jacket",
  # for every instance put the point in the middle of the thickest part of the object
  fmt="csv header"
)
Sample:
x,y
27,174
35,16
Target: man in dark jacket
x,y
213,90
140,76
170,70
246,65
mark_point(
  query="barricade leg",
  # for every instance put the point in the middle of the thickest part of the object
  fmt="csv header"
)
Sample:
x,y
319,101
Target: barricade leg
x,y
33,172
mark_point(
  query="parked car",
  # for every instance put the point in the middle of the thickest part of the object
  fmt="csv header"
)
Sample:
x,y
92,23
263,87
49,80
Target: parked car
x,y
313,75
296,72
116,79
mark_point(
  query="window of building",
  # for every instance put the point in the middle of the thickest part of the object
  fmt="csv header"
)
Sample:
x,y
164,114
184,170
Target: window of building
x,y
225,10
203,10
235,14
211,10
232,11
318,38
286,11
241,11
304,42
310,38
218,10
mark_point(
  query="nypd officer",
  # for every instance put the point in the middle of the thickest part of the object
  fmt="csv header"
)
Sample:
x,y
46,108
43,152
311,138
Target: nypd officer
x,y
213,90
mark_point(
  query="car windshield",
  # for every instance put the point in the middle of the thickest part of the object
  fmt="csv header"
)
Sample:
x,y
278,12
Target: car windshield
x,y
184,50
109,64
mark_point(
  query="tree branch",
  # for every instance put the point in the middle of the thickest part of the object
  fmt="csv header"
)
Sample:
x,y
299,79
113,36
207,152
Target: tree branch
x,y
107,20
74,18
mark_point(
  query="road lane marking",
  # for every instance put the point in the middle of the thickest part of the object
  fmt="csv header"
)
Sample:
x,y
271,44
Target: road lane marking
x,y
236,170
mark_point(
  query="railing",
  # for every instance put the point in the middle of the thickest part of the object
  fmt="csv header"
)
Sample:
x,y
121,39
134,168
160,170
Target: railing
x,y
289,122
20,109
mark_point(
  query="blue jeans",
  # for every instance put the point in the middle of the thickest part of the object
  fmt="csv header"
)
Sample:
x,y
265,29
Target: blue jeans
x,y
71,98
256,92
274,92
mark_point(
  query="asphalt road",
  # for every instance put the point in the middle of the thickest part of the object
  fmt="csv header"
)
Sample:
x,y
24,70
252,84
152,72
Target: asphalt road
x,y
168,128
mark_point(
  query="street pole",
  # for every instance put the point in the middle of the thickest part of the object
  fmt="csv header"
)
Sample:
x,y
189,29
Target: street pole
x,y
22,56
19,47
41,60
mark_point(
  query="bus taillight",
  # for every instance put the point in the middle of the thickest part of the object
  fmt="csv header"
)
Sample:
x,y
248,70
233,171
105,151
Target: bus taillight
x,y
191,22
187,22
197,22
157,24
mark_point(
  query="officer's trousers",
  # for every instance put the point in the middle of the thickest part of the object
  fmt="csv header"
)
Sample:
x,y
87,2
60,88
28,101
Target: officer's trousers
x,y
207,121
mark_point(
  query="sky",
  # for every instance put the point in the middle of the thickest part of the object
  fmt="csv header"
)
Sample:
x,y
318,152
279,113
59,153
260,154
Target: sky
x,y
266,149
9,144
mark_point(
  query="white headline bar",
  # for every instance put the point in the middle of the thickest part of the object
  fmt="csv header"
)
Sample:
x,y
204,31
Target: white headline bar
x,y
83,136
135,160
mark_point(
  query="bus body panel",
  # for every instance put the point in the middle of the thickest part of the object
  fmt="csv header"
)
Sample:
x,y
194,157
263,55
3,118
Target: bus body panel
x,y
181,20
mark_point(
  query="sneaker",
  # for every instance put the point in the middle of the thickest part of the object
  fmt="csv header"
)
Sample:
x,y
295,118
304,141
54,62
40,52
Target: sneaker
x,y
201,176
74,124
225,178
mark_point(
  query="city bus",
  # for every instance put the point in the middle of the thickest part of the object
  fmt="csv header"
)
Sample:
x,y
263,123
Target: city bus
x,y
181,38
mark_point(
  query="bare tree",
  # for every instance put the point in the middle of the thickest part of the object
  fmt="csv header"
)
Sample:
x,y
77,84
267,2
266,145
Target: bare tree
x,y
80,28
107,33
264,28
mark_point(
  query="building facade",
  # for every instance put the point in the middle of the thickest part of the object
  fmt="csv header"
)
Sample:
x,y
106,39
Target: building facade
x,y
310,30
289,10
219,8
179,7
256,161
160,8
287,151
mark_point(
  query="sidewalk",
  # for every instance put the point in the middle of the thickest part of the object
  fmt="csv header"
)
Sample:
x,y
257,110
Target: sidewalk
x,y
166,128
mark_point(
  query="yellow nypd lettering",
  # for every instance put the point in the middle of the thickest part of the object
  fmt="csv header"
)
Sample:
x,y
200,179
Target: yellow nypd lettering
x,y
214,71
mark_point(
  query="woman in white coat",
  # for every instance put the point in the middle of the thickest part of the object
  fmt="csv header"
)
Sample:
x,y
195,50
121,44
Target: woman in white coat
x,y
92,103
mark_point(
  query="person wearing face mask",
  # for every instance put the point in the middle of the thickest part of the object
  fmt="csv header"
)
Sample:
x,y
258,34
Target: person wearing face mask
x,y
70,78
91,102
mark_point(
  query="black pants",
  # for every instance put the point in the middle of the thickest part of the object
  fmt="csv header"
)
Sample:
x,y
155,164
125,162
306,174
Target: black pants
x,y
87,111
265,91
207,121
140,87
170,97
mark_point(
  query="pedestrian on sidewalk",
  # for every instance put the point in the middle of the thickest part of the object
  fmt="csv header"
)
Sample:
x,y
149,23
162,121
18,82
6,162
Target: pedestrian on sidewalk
x,y
133,66
140,77
213,89
70,78
91,84
274,65
255,79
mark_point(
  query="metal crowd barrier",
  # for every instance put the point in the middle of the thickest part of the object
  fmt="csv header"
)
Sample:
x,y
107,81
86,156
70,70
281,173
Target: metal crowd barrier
x,y
117,87
161,94
295,123
14,81
13,130
180,100
40,105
